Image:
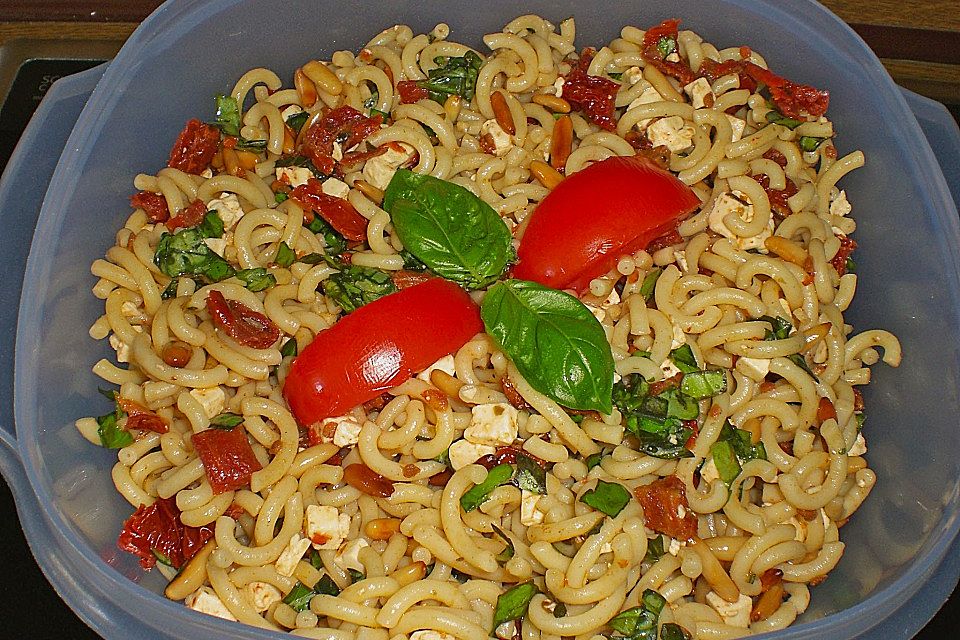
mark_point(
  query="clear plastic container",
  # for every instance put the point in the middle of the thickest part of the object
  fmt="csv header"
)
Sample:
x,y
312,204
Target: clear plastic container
x,y
898,566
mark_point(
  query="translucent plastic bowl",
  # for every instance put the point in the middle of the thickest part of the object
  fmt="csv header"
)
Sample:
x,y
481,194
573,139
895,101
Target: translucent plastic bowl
x,y
898,566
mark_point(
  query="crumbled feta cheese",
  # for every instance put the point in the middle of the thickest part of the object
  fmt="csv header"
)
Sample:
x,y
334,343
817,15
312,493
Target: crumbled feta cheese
x,y
326,527
698,90
601,312
681,259
840,205
217,245
348,557
129,310
288,560
673,57
558,87
464,452
674,547
429,634
737,203
342,431
737,125
506,630
336,188
337,153
445,364
294,176
735,614
709,471
205,600
679,337
647,96
121,347
212,399
671,132
261,595
859,446
379,170
292,110
502,141
207,173
820,352
758,367
669,369
632,76
494,424
228,208
529,514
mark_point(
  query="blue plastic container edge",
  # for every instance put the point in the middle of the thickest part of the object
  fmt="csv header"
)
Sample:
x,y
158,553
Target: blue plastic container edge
x,y
170,17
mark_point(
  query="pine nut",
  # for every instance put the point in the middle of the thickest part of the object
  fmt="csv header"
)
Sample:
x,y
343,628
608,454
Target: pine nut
x,y
410,573
501,111
305,88
553,103
545,174
452,107
322,77
248,159
382,528
786,249
232,163
446,383
813,335
561,142
289,143
371,192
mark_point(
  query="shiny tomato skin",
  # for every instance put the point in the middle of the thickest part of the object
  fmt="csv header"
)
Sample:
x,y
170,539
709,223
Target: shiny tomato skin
x,y
611,208
379,346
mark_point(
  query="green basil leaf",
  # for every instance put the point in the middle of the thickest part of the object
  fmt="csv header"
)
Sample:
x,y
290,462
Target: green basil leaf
x,y
509,550
326,585
775,117
703,384
673,631
851,265
653,602
593,460
742,444
109,394
799,360
111,435
650,283
185,252
356,286
280,197
559,610
655,550
608,497
726,461
456,234
316,562
779,328
860,418
554,340
170,291
297,120
355,575
530,475
211,226
161,558
666,445
478,494
634,621
616,75
251,145
454,75
684,360
512,604
299,597
336,243
666,46
256,279
285,255
411,262
289,348
680,406
809,143
226,421
303,162
228,115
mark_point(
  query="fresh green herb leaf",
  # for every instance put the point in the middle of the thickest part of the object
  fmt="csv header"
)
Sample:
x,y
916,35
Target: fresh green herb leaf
x,y
459,576
226,421
860,418
655,550
653,602
455,75
326,585
512,604
289,348
851,265
559,610
228,115
257,279
635,623
726,461
111,435
355,286
509,550
779,328
478,494
109,394
280,197
608,497
456,234
673,631
680,405
170,291
185,252
315,561
336,243
211,226
594,460
775,117
703,384
285,255
355,575
313,258
444,458
299,597
412,262
251,145
684,360
553,339
162,559
616,75
809,143
732,449
650,283
666,46
530,475
798,360
656,421
297,120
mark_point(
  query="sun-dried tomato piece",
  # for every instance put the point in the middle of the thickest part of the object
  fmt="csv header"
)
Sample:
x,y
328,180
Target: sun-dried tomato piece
x,y
839,261
227,458
344,125
195,147
857,399
410,92
153,204
139,417
338,212
673,382
665,508
776,156
189,216
826,411
356,157
778,197
513,396
157,530
507,455
593,95
240,322
656,42
791,98
404,278
368,481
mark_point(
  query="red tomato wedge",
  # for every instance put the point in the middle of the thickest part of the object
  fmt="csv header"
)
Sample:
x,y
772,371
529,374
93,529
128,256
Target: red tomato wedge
x,y
379,346
611,208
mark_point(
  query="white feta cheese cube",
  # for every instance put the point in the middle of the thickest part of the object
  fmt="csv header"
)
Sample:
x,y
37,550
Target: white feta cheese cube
x,y
379,170
679,338
756,368
348,557
735,614
326,527
464,452
217,245
294,176
445,364
698,90
335,188
680,257
292,110
212,399
859,446
709,471
261,595
738,204
227,206
291,555
129,310
671,132
647,96
205,600
494,424
737,125
558,87
529,514
342,431
632,76
840,205
673,57
429,634
502,141
669,369
674,547
207,173
337,153
121,347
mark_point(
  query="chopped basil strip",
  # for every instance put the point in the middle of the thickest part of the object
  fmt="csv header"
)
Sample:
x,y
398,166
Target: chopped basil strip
x,y
299,597
509,550
779,328
726,461
336,243
211,226
703,384
355,575
666,46
185,252
355,286
111,435
673,631
559,610
456,234
162,559
226,421
412,262
444,458
655,549
732,449
326,585
257,279
530,475
799,360
280,197
512,604
109,394
683,358
297,120
616,75
593,460
170,291
656,421
315,561
650,283
640,623
850,265
285,255
775,117
608,497
556,343
453,76
251,145
860,418
228,115
289,348
809,143
477,495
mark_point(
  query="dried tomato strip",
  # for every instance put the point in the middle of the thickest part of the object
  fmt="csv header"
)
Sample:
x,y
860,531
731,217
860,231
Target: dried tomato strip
x,y
365,479
839,261
410,92
665,508
778,197
652,52
195,147
156,530
189,216
344,125
153,204
227,458
338,212
595,96
139,417
240,322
